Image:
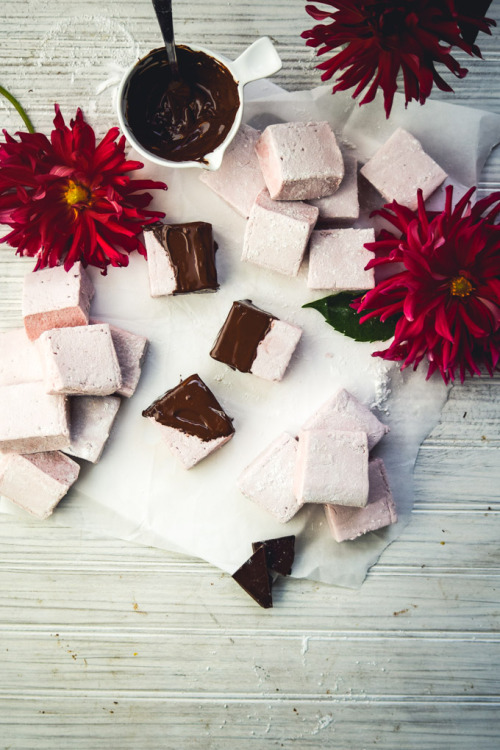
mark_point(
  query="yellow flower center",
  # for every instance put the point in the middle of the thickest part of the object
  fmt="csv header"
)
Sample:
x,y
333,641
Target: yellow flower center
x,y
460,286
76,193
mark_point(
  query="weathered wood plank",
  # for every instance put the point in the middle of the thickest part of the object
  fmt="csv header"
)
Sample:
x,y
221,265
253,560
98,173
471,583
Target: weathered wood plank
x,y
110,719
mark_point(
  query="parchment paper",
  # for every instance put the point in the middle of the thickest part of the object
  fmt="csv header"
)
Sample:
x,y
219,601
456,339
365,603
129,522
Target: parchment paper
x,y
138,491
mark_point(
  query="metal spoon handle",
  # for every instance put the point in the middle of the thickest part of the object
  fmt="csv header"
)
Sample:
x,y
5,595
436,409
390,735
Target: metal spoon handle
x,y
163,10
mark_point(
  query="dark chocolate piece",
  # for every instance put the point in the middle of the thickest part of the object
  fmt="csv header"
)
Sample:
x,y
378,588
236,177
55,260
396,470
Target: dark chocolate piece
x,y
181,120
280,553
254,578
192,408
245,327
191,250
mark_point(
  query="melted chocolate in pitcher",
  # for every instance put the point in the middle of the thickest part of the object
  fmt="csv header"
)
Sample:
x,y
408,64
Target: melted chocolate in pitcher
x,y
181,119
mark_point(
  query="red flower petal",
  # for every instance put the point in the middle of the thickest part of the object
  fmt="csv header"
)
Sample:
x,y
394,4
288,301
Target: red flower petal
x,y
57,196
380,38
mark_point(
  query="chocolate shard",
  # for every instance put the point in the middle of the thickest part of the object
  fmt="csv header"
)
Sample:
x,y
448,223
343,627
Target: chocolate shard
x,y
280,553
254,578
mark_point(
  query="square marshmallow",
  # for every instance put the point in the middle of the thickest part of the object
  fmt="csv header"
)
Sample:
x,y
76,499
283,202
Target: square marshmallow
x,y
55,298
91,419
277,233
80,361
343,204
32,420
131,349
300,160
239,179
19,358
191,421
268,480
337,259
37,482
252,340
380,511
181,258
332,467
400,167
344,412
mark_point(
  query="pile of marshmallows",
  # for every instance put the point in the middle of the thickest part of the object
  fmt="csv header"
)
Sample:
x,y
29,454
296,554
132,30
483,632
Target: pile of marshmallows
x,y
292,175
61,382
62,376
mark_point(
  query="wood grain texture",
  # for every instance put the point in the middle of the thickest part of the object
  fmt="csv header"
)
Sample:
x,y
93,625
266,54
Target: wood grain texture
x,y
105,644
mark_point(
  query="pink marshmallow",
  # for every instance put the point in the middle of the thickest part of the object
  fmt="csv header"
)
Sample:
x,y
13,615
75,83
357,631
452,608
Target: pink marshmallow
x,y
190,449
32,420
80,361
277,234
344,412
380,511
400,167
300,160
162,277
343,204
131,351
275,350
337,259
239,179
91,419
55,298
332,467
37,482
19,358
268,480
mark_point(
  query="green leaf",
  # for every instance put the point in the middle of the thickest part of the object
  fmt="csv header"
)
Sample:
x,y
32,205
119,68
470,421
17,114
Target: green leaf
x,y
337,312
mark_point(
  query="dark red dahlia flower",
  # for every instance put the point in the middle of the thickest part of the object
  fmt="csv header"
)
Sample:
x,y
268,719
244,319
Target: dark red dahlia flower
x,y
445,285
378,39
67,199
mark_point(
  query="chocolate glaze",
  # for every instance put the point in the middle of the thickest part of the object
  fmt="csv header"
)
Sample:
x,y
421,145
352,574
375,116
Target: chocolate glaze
x,y
191,250
280,553
185,119
191,408
245,327
254,578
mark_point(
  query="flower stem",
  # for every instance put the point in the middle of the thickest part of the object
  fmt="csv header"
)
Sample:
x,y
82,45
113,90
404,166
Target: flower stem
x,y
21,111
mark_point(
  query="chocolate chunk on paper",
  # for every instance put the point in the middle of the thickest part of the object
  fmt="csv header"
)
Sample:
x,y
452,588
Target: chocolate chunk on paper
x,y
280,553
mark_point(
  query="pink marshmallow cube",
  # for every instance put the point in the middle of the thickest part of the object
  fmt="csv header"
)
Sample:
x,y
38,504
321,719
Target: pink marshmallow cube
x,y
191,421
131,351
300,160
332,467
239,179
275,350
277,233
268,480
344,412
91,419
80,361
380,511
19,358
400,167
343,204
32,420
37,482
337,259
55,298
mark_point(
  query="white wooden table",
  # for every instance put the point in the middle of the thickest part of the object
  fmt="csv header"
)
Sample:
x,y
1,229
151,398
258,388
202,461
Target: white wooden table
x,y
106,644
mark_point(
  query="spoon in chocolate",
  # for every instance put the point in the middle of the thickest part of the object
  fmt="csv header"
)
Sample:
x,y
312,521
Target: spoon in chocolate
x,y
163,10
